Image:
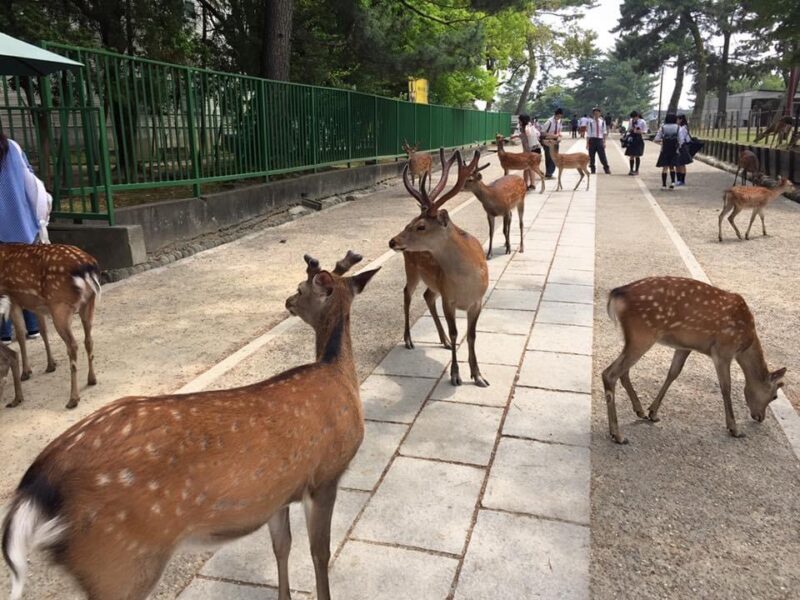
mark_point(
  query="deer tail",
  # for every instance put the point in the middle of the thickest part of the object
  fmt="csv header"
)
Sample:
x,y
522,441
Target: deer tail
x,y
87,280
616,304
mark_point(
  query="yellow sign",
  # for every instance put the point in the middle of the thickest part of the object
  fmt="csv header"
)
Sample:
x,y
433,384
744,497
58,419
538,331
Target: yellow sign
x,y
418,90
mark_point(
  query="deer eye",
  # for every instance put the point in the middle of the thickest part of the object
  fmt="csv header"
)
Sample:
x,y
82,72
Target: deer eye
x,y
421,227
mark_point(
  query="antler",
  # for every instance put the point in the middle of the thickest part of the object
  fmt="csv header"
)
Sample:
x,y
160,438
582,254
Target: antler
x,y
464,172
313,266
412,190
344,265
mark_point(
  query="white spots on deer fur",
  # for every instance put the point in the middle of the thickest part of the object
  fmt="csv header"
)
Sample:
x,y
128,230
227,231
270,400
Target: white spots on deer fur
x,y
252,421
126,477
152,485
175,414
151,449
235,426
127,429
98,441
122,515
200,498
102,479
141,411
178,511
156,508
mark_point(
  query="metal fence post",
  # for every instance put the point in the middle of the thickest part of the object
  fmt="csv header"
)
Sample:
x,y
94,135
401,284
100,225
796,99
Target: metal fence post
x,y
104,163
349,129
264,126
195,158
314,128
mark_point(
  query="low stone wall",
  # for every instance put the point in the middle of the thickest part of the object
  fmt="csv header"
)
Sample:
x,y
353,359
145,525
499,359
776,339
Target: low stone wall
x,y
774,162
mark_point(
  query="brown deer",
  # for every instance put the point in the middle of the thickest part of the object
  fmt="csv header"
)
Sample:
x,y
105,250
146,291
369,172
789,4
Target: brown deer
x,y
520,161
53,279
8,359
737,198
748,161
498,199
686,314
422,266
118,492
419,163
573,160
463,275
780,129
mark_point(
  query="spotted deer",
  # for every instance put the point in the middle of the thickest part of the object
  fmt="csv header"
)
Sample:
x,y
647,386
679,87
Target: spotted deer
x,y
58,280
418,162
9,360
520,161
117,493
737,198
688,315
573,160
748,161
463,275
499,199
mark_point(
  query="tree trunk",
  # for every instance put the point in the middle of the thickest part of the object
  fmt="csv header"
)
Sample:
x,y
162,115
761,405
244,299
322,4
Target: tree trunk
x,y
701,68
277,40
680,69
526,89
724,74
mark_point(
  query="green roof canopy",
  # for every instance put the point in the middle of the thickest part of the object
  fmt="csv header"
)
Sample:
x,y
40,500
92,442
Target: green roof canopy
x,y
20,58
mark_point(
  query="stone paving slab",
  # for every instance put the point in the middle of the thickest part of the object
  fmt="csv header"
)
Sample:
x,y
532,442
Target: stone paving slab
x,y
424,330
380,442
366,571
561,292
579,264
513,299
505,321
454,432
550,416
565,313
209,589
571,277
422,504
547,480
517,557
424,361
520,281
556,371
561,338
500,378
493,348
527,267
392,398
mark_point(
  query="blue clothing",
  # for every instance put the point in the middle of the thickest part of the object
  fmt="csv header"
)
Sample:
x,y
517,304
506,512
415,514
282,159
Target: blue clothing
x,y
31,324
18,221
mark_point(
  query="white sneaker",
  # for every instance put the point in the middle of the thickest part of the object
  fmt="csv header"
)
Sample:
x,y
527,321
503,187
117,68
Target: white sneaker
x,y
33,336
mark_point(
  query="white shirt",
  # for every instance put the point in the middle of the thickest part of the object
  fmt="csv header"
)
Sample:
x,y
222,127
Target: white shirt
x,y
640,124
552,126
683,135
533,136
668,130
596,129
583,122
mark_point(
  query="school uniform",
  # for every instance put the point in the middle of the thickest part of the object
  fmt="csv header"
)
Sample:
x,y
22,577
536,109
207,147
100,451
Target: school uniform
x,y
551,127
596,133
668,136
582,123
636,144
684,158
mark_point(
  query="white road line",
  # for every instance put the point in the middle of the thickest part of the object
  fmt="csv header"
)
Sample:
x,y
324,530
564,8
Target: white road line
x,y
782,409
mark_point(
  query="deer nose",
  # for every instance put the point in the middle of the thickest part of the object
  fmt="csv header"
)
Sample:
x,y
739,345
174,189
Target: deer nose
x,y
392,243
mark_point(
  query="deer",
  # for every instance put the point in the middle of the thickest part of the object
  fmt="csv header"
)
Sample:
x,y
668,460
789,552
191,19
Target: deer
x,y
113,496
9,359
573,160
463,275
737,198
519,161
499,198
688,315
419,163
748,161
421,266
779,129
58,280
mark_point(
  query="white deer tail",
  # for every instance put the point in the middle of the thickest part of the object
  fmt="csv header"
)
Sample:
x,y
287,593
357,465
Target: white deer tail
x,y
5,308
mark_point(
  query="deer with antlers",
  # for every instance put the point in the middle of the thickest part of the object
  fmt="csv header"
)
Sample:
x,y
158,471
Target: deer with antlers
x,y
573,160
8,359
499,199
737,198
419,163
118,492
520,161
58,280
688,315
463,275
748,161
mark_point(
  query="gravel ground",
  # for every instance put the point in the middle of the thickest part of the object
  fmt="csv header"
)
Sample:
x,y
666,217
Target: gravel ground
x,y
685,511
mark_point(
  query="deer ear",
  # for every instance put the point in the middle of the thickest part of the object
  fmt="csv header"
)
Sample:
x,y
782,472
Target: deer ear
x,y
777,376
323,283
360,281
443,218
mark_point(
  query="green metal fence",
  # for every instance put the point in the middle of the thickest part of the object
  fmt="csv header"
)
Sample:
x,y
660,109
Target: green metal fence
x,y
124,123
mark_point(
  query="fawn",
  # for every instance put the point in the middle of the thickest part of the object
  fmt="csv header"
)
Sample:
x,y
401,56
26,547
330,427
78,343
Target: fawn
x,y
686,314
748,161
573,160
117,493
737,198
418,163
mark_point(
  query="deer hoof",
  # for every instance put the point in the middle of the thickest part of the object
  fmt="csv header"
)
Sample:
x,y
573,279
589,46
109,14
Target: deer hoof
x,y
26,375
50,368
480,381
447,344
489,255
409,344
73,402
653,417
455,379
619,439
13,403
91,380
736,433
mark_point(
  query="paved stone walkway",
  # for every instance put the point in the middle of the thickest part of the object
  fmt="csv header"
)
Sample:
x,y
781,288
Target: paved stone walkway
x,y
463,492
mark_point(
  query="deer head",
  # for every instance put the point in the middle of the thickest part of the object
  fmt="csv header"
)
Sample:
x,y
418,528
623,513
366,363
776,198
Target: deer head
x,y
759,392
409,149
473,182
423,232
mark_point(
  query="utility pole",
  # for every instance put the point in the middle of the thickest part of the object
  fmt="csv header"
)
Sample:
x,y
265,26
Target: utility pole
x,y
660,90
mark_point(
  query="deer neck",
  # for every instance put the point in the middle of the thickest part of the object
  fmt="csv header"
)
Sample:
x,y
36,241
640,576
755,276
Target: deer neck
x,y
482,193
752,362
450,255
333,343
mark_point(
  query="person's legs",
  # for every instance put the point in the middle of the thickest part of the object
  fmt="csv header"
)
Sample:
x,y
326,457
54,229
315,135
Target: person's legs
x,y
638,161
592,153
672,177
5,330
664,177
601,151
550,166
631,170
31,324
681,173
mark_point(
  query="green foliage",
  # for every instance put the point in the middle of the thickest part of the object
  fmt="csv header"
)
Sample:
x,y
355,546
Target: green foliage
x,y
614,85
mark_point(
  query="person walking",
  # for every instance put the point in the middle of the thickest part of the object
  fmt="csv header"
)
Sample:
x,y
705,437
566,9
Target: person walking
x,y
667,136
574,126
583,123
596,135
551,130
684,157
529,136
635,148
24,210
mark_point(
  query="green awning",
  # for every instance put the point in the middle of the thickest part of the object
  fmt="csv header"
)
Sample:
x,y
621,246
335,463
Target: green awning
x,y
20,58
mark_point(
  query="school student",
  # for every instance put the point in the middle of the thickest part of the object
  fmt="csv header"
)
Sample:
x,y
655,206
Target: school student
x,y
667,136
684,157
582,124
596,134
635,149
551,130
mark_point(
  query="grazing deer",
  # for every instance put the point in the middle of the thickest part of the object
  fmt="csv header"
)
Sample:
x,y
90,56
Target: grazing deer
x,y
118,492
573,160
748,161
8,359
56,279
780,129
520,161
740,197
463,275
419,163
498,200
686,314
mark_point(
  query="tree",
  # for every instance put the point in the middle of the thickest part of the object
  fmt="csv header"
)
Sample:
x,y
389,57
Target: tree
x,y
613,85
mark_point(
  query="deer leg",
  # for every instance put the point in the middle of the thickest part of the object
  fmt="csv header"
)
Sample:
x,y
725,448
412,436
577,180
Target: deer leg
x,y
472,325
625,379
86,313
490,218
678,360
735,177
559,180
62,315
579,180
725,208
10,360
763,226
51,363
750,225
19,333
540,173
723,367
430,299
319,511
281,534
450,317
507,231
629,356
731,217
412,279
588,180
520,214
